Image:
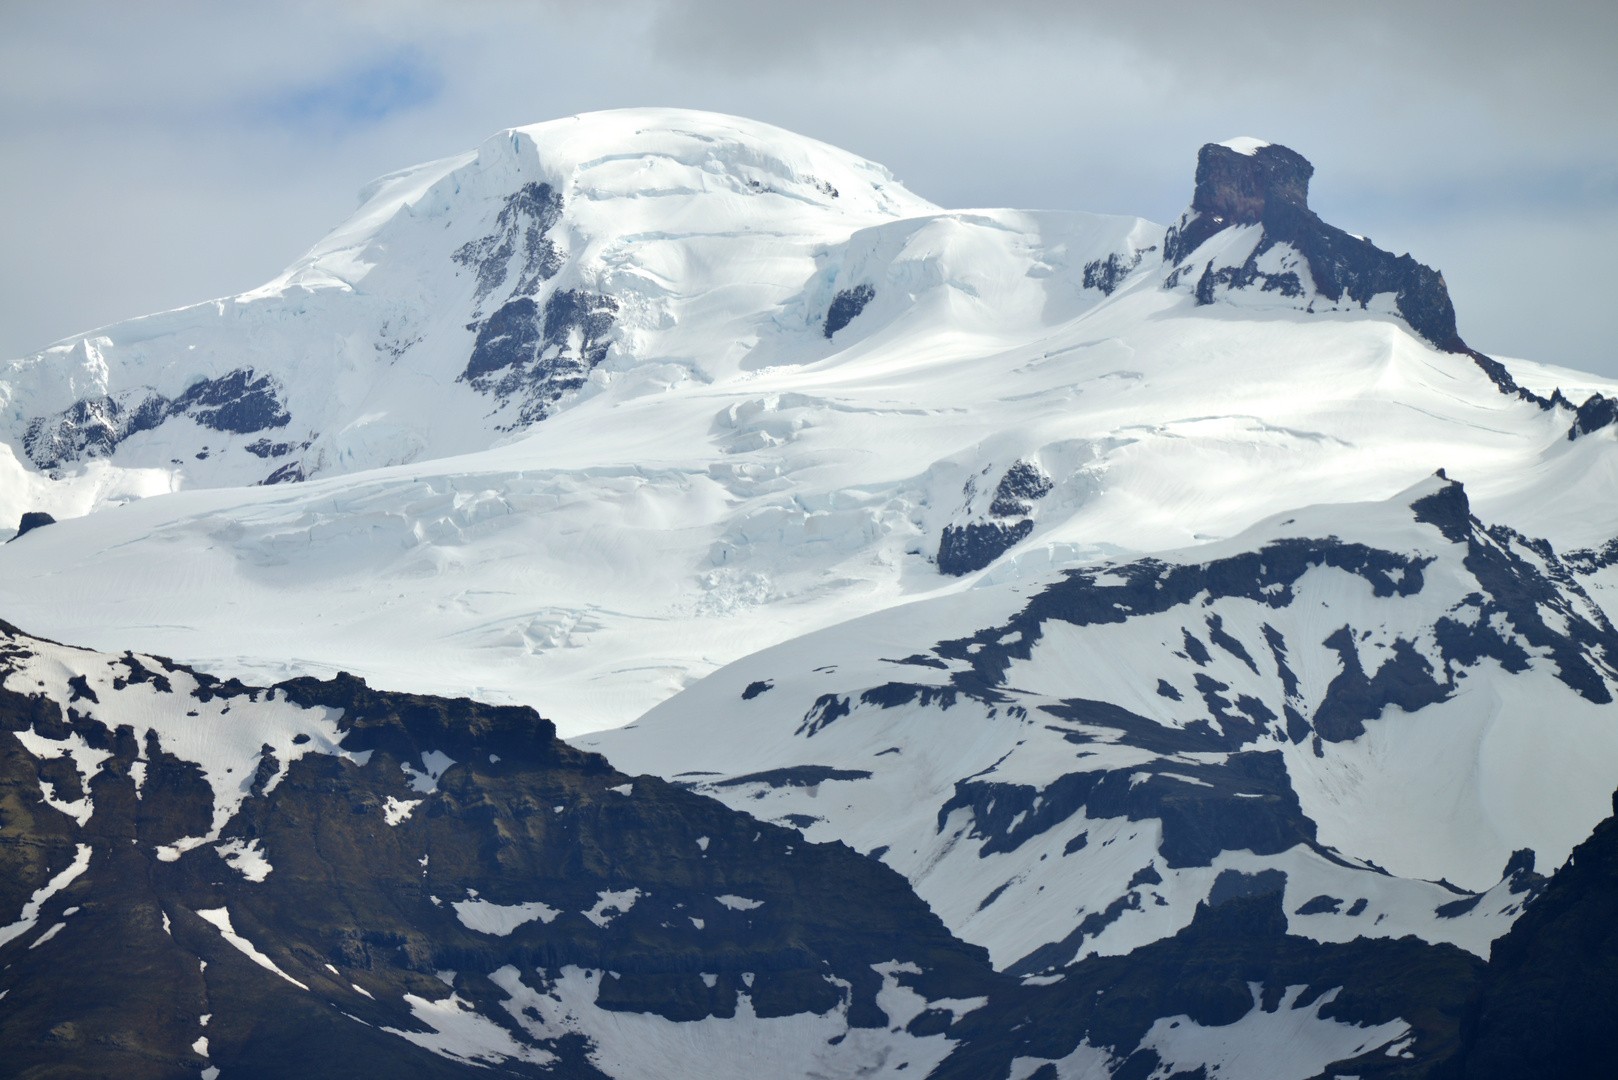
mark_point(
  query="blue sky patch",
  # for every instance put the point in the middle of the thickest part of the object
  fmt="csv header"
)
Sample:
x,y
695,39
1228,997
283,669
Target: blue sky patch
x,y
399,82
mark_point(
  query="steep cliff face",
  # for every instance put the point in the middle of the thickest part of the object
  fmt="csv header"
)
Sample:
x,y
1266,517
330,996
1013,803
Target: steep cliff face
x,y
1290,251
1548,1005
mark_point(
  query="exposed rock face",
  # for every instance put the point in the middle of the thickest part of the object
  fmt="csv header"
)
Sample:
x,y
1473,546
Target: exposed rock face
x,y
32,520
1270,187
239,402
963,549
1597,412
1236,189
537,354
1549,1004
846,306
326,880
1234,964
397,869
522,232
529,352
1107,274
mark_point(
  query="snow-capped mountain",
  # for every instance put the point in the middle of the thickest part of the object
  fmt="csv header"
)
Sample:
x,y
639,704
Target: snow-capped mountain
x,y
816,393
1201,648
465,300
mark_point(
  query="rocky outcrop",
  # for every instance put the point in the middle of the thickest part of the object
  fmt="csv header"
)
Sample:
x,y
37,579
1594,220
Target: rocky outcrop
x,y
1597,412
846,307
528,352
1548,1006
32,520
963,549
1300,258
239,402
1269,186
536,353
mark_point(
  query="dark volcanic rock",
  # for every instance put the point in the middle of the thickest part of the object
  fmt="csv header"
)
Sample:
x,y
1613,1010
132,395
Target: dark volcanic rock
x,y
1596,413
1207,974
1270,187
237,402
32,520
1236,189
529,351
537,353
520,241
359,911
1549,1002
1546,608
1107,274
1023,482
846,306
963,549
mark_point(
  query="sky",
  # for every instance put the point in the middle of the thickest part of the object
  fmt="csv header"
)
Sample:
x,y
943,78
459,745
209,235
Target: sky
x,y
157,155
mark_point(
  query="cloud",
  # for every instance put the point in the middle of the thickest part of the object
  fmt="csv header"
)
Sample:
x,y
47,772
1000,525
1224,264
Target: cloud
x,y
171,153
402,81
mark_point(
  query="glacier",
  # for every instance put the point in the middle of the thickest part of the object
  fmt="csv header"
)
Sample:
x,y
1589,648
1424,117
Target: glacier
x,y
1105,595
726,475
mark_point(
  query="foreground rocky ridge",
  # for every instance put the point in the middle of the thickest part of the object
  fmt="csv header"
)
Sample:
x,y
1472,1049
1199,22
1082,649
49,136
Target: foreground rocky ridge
x,y
1549,1003
319,927
331,880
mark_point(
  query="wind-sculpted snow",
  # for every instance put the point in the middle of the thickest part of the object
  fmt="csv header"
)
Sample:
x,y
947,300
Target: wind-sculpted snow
x,y
1396,722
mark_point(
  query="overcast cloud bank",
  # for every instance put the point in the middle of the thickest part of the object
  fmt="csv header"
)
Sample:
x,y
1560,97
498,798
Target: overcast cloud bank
x,y
152,159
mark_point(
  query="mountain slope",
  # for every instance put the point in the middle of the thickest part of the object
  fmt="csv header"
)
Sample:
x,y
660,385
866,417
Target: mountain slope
x,y
1549,1003
1061,646
464,298
809,406
325,879
1392,709
378,881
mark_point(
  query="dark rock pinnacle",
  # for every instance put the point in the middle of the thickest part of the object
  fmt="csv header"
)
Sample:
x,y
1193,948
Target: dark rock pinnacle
x,y
32,520
1270,187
